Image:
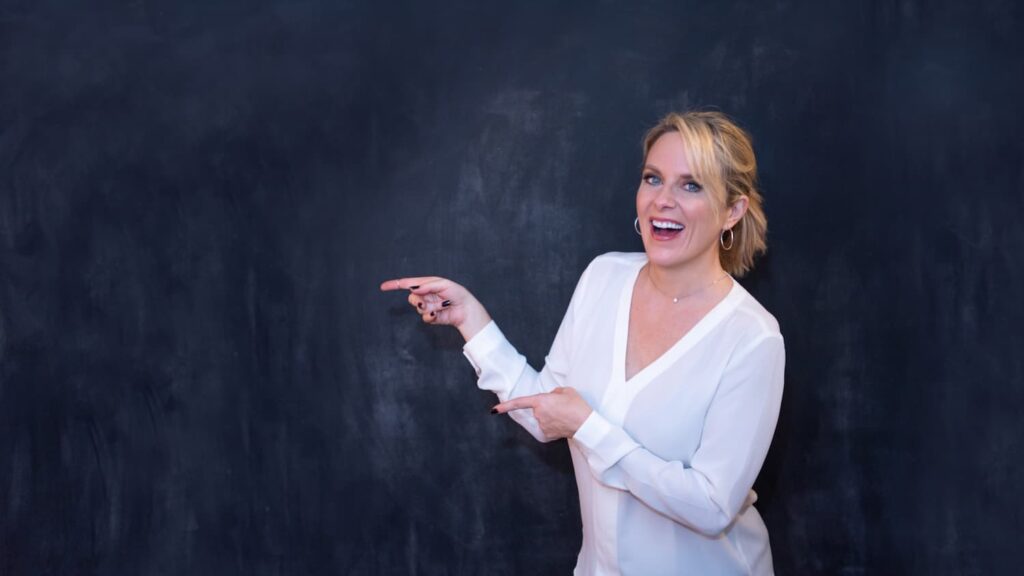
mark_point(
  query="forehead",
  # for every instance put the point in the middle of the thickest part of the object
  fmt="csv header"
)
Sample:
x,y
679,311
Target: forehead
x,y
669,154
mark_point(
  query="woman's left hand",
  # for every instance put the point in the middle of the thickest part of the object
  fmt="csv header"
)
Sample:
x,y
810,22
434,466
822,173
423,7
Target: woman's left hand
x,y
559,413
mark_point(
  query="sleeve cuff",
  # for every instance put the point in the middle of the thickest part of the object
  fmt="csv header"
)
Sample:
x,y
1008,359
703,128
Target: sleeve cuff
x,y
593,429
603,443
483,343
497,363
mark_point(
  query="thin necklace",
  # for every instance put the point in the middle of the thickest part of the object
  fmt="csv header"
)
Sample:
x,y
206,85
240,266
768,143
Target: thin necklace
x,y
676,299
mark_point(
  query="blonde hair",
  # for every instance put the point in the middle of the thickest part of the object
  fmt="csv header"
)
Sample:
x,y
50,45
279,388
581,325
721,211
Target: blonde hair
x,y
722,157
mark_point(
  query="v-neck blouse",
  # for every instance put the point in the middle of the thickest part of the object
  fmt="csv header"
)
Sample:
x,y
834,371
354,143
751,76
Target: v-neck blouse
x,y
666,461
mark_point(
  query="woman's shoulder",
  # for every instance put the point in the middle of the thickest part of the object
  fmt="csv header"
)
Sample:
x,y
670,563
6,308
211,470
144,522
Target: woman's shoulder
x,y
752,317
605,274
616,262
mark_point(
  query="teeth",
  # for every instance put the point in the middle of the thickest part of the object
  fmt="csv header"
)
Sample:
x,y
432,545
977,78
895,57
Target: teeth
x,y
662,224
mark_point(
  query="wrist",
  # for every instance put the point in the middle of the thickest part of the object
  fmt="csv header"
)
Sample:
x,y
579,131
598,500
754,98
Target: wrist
x,y
581,418
476,319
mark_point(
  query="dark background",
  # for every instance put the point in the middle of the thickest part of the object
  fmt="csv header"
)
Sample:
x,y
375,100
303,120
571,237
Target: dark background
x,y
199,199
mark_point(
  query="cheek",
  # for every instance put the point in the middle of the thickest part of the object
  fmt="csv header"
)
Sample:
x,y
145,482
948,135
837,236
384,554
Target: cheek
x,y
642,197
646,197
699,211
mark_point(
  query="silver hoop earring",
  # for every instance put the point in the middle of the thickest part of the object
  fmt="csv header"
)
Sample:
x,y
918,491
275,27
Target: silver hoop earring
x,y
636,225
732,239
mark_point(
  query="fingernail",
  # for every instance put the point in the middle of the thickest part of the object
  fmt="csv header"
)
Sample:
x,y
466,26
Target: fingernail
x,y
420,305
494,410
446,303
432,314
413,287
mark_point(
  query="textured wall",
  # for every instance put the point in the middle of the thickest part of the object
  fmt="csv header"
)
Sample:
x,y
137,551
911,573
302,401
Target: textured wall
x,y
198,200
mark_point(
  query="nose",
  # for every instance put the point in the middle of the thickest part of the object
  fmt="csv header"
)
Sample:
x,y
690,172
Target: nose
x,y
665,199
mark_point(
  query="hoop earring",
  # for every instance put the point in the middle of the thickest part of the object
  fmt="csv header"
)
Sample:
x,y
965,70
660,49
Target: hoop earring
x,y
636,225
732,239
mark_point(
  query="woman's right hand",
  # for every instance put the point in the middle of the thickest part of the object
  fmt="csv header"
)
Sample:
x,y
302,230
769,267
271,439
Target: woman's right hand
x,y
441,301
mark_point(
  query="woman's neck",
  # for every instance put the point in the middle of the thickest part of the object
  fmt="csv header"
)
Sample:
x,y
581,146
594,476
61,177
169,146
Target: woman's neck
x,y
689,278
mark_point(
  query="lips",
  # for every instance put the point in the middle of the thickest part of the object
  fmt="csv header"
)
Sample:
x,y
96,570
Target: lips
x,y
662,229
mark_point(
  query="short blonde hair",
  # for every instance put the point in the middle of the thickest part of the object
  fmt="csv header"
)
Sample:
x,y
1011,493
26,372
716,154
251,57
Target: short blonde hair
x,y
722,157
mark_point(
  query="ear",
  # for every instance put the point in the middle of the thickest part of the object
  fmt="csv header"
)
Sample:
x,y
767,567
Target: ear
x,y
736,211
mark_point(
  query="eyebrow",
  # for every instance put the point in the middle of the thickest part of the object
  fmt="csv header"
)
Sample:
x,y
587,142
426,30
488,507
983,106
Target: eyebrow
x,y
687,176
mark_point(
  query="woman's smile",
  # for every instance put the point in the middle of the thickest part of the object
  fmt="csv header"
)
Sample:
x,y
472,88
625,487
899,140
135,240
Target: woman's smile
x,y
665,230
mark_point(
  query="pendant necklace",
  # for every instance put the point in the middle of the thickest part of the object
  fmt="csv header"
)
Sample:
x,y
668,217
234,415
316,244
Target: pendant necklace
x,y
676,299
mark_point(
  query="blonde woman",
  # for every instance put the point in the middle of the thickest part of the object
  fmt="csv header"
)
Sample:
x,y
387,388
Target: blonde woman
x,y
665,375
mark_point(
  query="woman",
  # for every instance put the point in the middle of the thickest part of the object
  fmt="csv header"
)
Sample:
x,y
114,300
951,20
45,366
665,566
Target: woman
x,y
665,376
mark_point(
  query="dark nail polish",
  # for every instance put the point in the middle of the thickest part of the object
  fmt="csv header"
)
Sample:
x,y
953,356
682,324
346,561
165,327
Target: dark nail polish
x,y
446,303
420,305
432,314
494,410
413,287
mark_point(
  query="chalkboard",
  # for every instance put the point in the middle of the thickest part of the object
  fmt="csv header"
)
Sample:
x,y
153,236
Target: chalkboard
x,y
198,200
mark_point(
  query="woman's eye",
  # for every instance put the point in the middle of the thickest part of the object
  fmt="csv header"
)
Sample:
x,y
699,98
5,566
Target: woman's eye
x,y
652,179
692,187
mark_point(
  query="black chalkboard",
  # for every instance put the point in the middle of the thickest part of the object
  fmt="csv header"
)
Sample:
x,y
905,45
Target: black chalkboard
x,y
198,200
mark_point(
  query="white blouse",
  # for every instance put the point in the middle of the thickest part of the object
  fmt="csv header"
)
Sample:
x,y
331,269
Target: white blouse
x,y
666,461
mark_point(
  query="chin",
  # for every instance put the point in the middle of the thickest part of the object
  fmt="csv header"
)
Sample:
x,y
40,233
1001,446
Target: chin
x,y
665,259
671,256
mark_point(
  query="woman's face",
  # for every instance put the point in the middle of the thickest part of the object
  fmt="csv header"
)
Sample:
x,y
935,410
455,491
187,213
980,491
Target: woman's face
x,y
677,220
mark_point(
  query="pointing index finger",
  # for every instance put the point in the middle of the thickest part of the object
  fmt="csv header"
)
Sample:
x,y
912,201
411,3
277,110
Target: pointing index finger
x,y
404,283
517,404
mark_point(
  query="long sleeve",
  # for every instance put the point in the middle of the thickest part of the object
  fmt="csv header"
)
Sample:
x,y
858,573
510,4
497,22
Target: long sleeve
x,y
708,492
501,369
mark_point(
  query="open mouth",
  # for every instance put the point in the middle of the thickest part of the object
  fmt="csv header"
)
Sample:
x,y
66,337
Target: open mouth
x,y
665,229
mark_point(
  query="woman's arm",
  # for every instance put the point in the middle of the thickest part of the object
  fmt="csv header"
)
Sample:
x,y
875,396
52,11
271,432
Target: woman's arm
x,y
499,366
503,370
707,493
